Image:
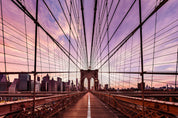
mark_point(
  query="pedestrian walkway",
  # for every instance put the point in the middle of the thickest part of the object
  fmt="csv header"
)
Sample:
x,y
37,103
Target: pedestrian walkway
x,y
89,106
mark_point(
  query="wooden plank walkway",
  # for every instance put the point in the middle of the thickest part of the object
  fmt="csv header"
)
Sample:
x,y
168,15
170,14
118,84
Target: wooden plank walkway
x,y
89,106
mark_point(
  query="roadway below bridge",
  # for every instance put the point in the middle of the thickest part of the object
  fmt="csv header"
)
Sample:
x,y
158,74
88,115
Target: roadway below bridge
x,y
89,106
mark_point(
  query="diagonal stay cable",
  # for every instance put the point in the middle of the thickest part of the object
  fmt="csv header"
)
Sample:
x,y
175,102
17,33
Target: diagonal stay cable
x,y
20,6
100,41
77,42
101,15
93,32
68,21
61,29
101,32
59,25
76,19
117,27
114,50
83,19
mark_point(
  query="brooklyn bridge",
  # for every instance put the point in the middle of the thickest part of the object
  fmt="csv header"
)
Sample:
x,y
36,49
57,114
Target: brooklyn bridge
x,y
88,58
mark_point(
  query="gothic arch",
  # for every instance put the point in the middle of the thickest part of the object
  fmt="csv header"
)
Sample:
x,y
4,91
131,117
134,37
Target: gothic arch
x,y
89,74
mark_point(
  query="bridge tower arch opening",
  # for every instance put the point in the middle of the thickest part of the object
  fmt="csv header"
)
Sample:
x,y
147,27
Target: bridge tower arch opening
x,y
86,83
89,74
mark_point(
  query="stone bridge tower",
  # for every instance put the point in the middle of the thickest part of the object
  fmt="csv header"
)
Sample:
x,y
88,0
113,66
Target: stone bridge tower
x,y
88,74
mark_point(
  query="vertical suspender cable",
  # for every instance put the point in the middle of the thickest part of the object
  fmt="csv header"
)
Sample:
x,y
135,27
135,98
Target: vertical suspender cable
x,y
108,47
141,54
120,66
78,36
40,51
35,57
100,45
139,61
69,46
116,69
26,38
54,57
131,60
101,68
4,49
124,62
154,46
176,71
48,54
108,42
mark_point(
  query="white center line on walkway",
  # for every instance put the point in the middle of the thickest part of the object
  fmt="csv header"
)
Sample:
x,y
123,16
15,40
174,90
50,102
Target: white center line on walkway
x,y
89,111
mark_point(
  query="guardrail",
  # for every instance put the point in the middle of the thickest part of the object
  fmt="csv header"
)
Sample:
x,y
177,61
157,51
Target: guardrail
x,y
45,106
132,106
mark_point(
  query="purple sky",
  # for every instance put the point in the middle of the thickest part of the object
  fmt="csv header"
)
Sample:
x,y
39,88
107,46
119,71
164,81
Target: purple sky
x,y
127,58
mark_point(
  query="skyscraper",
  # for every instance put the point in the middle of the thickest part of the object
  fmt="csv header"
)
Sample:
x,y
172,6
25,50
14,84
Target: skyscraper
x,y
45,83
59,81
24,82
77,85
76,82
3,83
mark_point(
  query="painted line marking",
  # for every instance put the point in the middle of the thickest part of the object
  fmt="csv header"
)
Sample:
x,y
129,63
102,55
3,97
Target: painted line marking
x,y
89,110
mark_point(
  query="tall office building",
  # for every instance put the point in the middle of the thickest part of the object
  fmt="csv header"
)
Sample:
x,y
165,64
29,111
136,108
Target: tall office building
x,y
45,83
59,82
37,87
38,84
76,82
49,85
3,82
72,86
14,86
52,85
24,82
